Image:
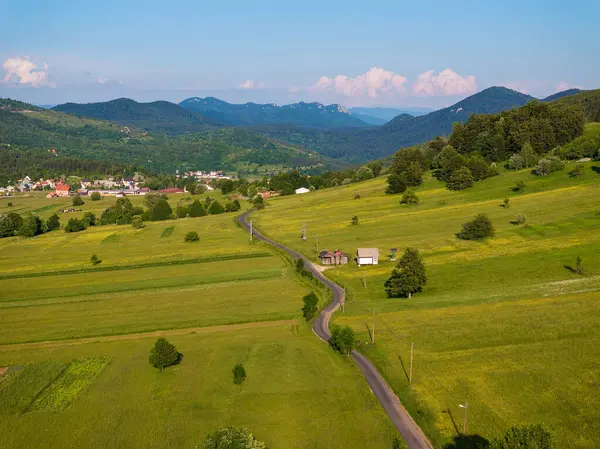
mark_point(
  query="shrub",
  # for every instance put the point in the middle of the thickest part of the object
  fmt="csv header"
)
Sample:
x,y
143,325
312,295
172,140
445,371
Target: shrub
x,y
239,374
461,179
161,211
520,219
396,183
53,222
196,209
258,199
578,266
260,206
519,186
181,211
192,236
357,196
95,196
479,228
525,437
78,201
75,225
89,219
310,306
577,171
9,204
164,354
355,220
232,438
409,197
215,208
516,162
506,203
94,259
342,339
548,165
137,223
408,277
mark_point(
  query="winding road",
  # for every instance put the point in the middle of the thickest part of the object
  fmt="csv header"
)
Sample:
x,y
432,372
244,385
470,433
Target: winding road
x,y
408,428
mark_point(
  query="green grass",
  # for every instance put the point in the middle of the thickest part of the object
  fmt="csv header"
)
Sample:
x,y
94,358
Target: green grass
x,y
501,322
167,232
591,129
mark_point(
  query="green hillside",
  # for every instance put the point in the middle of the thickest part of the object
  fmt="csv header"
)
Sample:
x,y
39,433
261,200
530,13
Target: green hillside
x,y
502,323
588,101
227,149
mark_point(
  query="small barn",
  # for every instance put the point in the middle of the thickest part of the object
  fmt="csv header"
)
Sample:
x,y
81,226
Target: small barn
x,y
367,256
333,258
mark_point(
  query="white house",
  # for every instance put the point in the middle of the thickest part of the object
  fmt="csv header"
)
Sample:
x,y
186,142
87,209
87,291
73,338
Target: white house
x,y
367,256
302,190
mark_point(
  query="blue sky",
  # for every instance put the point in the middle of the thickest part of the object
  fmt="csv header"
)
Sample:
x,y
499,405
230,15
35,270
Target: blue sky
x,y
387,53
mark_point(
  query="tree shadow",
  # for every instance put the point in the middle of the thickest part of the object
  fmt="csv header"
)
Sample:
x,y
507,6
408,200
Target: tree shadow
x,y
404,368
369,331
468,442
596,169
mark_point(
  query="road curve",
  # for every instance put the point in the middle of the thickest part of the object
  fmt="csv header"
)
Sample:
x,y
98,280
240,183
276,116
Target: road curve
x,y
408,428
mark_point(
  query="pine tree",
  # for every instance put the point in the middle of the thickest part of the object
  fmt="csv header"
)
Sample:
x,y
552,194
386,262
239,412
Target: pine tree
x,y
196,209
164,354
408,277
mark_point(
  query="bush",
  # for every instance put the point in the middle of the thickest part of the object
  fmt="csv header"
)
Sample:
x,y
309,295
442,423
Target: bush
x,y
94,259
258,199
138,223
232,438
396,183
481,227
53,222
239,374
259,206
310,306
192,236
89,219
355,220
525,437
215,208
95,196
409,197
161,211
577,171
342,339
78,201
520,219
364,173
181,211
164,354
548,165
506,203
516,162
461,179
75,225
408,277
196,209
9,204
519,186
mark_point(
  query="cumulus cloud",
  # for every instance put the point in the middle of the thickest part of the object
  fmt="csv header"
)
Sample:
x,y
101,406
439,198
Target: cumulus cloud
x,y
251,84
373,83
23,71
563,85
447,82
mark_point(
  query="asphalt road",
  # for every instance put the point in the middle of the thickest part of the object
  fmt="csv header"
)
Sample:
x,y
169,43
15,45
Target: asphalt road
x,y
410,431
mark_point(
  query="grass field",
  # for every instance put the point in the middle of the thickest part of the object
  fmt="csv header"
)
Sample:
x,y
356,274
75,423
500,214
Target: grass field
x,y
76,339
501,323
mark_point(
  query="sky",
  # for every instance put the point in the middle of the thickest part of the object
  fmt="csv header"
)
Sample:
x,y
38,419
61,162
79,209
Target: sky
x,y
378,53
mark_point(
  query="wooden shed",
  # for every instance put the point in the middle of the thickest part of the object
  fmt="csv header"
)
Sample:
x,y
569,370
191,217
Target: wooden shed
x,y
333,257
367,256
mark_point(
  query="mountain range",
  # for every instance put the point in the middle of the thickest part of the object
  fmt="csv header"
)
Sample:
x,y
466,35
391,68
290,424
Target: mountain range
x,y
380,116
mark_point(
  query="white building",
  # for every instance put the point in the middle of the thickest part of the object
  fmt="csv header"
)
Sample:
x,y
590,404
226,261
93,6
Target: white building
x,y
367,256
302,190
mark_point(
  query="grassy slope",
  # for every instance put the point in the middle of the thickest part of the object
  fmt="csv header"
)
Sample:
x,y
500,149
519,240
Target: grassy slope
x,y
298,394
501,323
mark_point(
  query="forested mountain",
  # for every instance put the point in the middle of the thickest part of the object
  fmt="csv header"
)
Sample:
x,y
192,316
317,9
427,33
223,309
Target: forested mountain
x,y
227,149
588,101
564,93
369,119
160,116
313,115
389,113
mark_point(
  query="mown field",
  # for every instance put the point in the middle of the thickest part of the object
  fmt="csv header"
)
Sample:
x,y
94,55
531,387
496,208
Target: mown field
x,y
501,324
76,337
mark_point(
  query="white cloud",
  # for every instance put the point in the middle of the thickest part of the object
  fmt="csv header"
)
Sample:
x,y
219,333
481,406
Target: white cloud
x,y
22,70
563,85
373,83
447,82
251,84
102,80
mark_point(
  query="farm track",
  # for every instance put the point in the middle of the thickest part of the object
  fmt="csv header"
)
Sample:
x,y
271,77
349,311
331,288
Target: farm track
x,y
408,428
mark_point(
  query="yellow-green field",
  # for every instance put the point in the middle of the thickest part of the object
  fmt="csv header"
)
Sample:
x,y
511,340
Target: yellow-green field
x,y
76,339
501,324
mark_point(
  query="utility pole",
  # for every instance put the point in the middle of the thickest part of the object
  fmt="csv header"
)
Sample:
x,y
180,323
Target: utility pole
x,y
373,330
250,230
466,407
412,351
344,299
365,280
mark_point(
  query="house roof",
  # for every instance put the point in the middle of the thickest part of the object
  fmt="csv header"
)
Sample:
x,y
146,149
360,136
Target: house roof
x,y
62,187
367,252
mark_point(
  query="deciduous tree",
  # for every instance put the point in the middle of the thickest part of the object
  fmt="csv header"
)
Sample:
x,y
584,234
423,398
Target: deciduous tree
x,y
164,354
408,277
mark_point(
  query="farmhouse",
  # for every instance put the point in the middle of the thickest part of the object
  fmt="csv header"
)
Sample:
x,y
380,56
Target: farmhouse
x,y
61,190
367,256
302,190
333,258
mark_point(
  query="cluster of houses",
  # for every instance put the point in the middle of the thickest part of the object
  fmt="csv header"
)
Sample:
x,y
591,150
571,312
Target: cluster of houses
x,y
110,186
364,256
203,175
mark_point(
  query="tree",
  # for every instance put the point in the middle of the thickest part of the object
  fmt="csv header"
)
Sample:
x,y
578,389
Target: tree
x,y
239,374
164,354
310,305
78,201
414,174
479,168
548,165
528,155
516,162
161,211
408,277
233,206
10,224
479,228
364,173
355,220
232,438
181,211
534,436
519,186
152,198
53,222
215,208
95,196
449,160
32,225
227,186
137,223
577,171
196,209
75,225
95,260
342,339
375,168
409,197
396,183
191,236
89,218
461,179
578,265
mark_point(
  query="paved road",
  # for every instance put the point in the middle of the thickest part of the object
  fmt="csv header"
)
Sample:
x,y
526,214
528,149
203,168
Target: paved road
x,y
410,431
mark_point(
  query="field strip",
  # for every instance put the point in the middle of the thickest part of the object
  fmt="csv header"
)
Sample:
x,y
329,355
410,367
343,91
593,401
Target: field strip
x,y
141,335
223,257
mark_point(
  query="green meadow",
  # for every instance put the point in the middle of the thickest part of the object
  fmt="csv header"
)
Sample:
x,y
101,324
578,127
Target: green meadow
x,y
502,323
75,338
